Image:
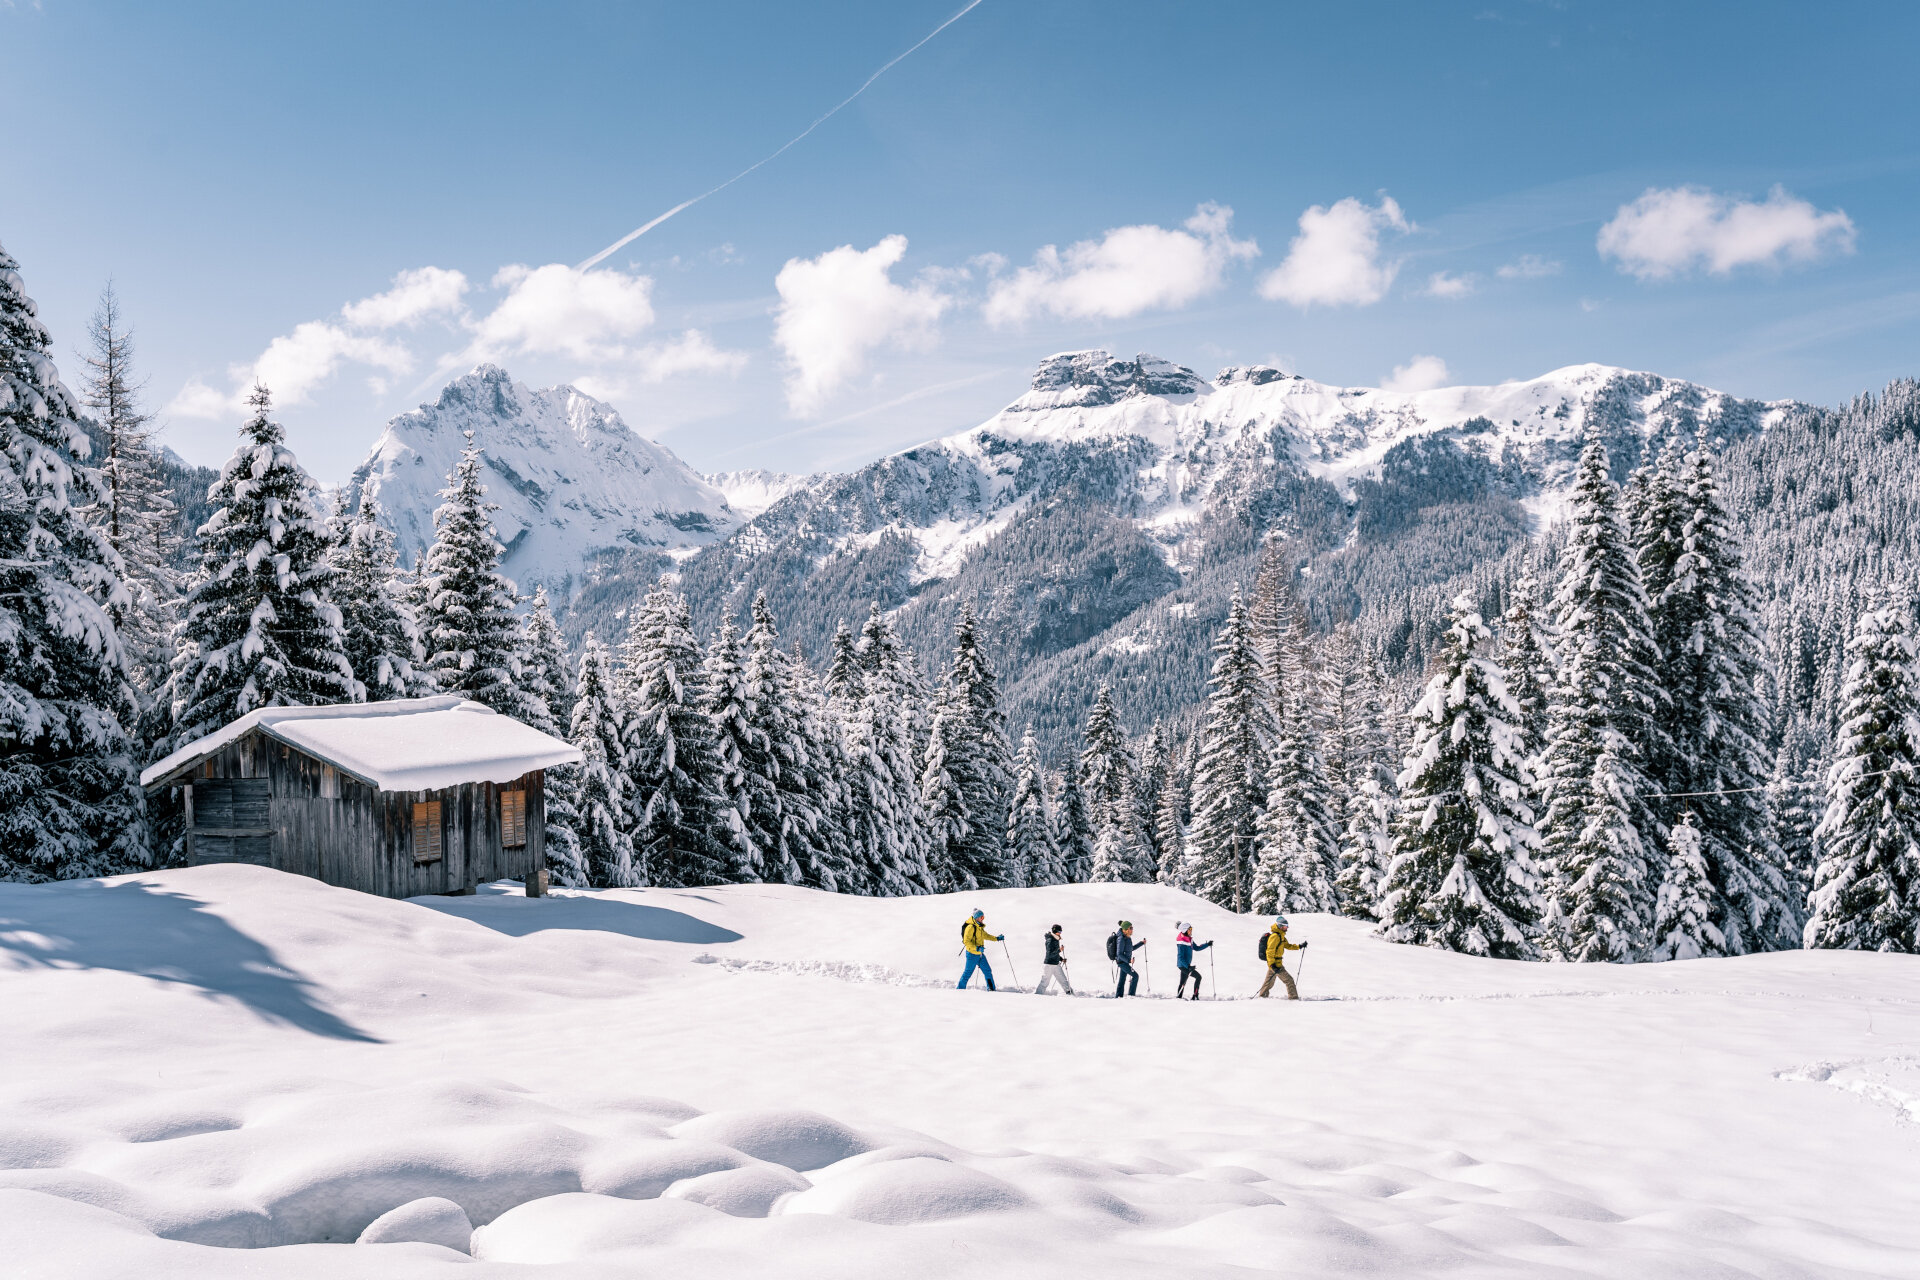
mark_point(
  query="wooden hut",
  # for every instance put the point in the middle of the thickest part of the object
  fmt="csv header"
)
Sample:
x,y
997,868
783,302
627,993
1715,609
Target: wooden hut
x,y
423,795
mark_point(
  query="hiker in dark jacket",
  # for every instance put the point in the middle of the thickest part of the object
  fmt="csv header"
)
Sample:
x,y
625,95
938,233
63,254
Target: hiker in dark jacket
x,y
1123,949
1183,948
1054,967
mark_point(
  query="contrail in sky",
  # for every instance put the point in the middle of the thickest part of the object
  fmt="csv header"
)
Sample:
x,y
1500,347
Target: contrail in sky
x,y
635,234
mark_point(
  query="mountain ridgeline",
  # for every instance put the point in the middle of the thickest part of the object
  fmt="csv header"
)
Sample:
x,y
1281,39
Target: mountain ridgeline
x,y
1099,524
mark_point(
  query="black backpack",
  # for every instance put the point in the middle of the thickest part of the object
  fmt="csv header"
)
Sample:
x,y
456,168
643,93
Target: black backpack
x,y
1262,945
1113,945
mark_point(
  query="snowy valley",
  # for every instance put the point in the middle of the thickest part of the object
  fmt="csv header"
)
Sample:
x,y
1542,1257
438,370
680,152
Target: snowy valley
x,y
229,1072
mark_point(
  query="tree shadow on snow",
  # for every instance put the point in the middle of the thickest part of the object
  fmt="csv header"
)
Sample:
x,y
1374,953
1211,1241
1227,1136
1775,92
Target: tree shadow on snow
x,y
508,912
157,933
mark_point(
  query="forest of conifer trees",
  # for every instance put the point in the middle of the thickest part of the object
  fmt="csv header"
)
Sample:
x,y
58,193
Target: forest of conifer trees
x,y
1644,758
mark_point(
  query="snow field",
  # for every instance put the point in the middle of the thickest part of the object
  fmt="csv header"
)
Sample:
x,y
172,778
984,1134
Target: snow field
x,y
228,1071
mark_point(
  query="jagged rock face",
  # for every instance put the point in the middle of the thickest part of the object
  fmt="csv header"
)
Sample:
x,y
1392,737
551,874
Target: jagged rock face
x,y
570,477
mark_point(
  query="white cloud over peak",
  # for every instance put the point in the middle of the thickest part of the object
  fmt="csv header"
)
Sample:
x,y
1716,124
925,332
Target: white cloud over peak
x,y
838,307
561,310
416,295
297,364
1127,271
1335,260
1422,373
1444,284
1529,266
1670,231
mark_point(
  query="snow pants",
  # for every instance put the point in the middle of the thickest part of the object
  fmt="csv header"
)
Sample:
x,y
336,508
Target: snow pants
x,y
1053,973
978,960
1123,989
1188,971
1276,971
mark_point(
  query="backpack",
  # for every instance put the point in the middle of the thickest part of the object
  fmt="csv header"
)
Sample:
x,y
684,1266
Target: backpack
x,y
1261,946
1113,945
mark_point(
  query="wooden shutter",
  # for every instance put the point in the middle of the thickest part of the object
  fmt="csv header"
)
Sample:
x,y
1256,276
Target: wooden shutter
x,y
513,819
426,831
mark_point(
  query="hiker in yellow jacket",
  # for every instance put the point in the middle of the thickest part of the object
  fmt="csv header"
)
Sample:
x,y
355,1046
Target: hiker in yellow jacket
x,y
1277,948
974,937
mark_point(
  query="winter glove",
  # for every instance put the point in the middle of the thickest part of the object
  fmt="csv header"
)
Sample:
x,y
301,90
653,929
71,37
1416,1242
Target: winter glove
x,y
1305,945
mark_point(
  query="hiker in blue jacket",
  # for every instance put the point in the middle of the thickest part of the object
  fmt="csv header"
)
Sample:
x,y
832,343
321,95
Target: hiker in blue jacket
x,y
1123,949
1183,947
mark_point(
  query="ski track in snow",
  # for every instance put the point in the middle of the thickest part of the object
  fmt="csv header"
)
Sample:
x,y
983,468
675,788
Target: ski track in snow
x,y
227,1072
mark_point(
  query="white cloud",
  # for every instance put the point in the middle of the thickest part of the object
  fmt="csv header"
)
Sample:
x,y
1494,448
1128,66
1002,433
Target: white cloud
x,y
837,307
1670,231
1529,266
1422,373
1444,284
416,295
560,310
691,352
1335,260
297,364
1125,272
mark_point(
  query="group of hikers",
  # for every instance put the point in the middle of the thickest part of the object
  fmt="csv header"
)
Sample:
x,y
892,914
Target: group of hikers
x,y
1121,946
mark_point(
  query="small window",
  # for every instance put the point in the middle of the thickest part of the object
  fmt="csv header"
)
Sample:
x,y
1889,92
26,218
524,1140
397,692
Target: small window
x,y
426,831
513,819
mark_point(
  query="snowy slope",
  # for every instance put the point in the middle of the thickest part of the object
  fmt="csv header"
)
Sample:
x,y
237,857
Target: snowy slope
x,y
570,477
752,491
229,1072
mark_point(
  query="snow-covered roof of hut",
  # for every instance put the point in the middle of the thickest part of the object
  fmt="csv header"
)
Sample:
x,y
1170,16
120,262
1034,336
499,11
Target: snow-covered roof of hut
x,y
410,744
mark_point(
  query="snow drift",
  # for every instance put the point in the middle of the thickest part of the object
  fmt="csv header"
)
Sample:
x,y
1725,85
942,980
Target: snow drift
x,y
228,1071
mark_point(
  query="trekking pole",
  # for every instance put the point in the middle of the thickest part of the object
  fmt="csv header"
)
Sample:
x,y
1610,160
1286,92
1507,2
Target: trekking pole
x,y
1147,961
1011,971
1214,970
1300,970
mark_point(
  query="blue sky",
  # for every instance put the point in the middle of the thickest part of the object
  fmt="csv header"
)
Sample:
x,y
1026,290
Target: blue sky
x,y
357,199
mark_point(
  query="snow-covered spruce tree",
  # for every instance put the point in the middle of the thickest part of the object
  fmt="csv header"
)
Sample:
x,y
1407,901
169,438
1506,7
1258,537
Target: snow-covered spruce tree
x,y
1528,664
1073,832
382,637
1112,860
1229,784
548,665
886,827
1796,797
1683,927
1866,893
70,800
783,816
1714,727
1170,832
1599,830
471,632
1366,842
1127,813
968,773
135,509
602,824
1463,877
675,814
822,781
843,668
260,627
1105,762
724,699
1029,829
1298,858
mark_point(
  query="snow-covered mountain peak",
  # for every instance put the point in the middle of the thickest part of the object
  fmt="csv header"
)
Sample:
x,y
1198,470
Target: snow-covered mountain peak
x,y
1075,379
569,475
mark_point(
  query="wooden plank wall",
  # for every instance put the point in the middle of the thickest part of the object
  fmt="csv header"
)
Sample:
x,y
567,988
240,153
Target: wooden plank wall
x,y
363,838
